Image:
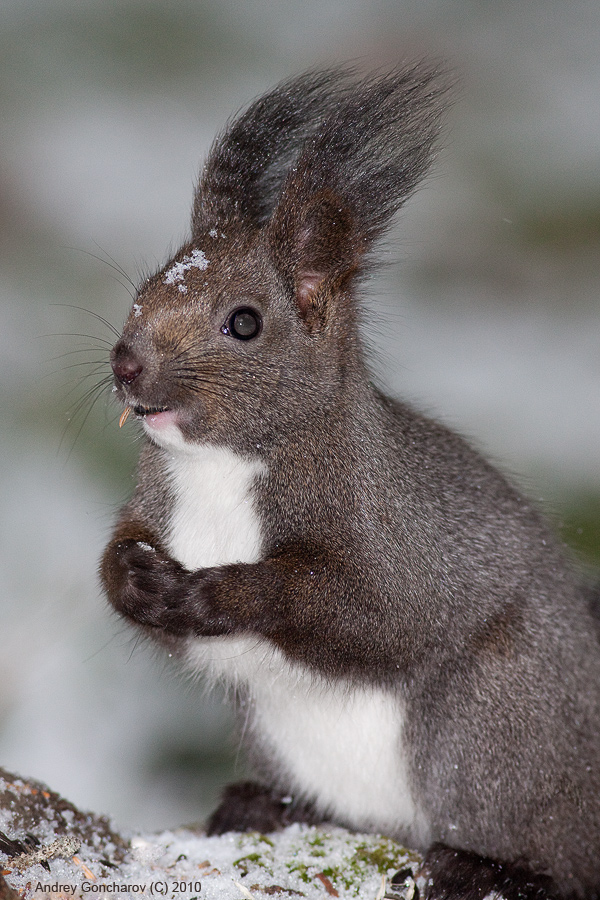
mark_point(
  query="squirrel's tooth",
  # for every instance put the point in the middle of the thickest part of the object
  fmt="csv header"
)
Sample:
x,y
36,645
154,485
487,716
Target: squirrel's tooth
x,y
124,416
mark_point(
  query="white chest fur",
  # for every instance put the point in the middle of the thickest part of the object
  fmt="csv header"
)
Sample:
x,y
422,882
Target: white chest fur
x,y
340,744
213,521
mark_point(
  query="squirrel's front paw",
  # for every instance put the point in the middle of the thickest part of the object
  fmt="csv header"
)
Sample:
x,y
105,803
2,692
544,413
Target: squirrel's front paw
x,y
142,583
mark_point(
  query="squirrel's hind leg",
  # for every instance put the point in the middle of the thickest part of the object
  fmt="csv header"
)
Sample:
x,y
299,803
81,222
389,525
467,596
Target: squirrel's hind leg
x,y
461,875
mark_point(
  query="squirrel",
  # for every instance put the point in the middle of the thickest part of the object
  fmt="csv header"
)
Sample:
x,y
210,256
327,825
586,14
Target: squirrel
x,y
414,651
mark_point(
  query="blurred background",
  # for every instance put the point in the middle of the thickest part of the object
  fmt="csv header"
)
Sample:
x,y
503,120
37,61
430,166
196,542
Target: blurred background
x,y
487,314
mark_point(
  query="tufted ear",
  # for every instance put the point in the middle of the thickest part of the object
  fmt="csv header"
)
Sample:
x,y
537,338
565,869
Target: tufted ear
x,y
313,246
363,162
248,163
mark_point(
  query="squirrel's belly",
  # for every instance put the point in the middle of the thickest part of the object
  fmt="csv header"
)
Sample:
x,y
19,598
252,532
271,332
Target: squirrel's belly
x,y
336,744
341,746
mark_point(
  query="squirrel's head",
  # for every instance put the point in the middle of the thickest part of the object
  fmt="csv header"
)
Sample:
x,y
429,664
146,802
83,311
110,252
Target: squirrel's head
x,y
251,328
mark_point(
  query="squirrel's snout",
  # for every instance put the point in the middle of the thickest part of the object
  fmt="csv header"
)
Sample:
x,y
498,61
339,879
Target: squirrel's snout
x,y
125,364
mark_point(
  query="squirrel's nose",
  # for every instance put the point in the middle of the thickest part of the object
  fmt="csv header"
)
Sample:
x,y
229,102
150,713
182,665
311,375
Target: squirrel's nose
x,y
125,364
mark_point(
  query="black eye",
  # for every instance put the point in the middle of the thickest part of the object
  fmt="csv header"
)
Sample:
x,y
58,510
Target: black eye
x,y
244,323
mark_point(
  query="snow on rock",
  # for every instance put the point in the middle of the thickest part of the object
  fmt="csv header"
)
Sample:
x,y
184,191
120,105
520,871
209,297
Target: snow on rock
x,y
50,848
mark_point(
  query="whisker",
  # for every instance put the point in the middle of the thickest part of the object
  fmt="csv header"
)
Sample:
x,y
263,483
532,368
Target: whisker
x,y
98,387
136,644
91,356
117,266
79,403
103,383
91,337
231,382
94,393
99,363
73,352
90,312
111,265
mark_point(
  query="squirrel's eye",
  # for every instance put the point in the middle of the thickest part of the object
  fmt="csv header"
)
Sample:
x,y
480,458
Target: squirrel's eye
x,y
244,323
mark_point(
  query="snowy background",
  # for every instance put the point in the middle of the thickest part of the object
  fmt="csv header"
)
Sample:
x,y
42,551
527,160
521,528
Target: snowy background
x,y
488,315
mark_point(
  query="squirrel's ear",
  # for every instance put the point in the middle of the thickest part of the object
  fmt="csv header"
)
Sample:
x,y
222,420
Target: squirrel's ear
x,y
314,248
249,162
353,174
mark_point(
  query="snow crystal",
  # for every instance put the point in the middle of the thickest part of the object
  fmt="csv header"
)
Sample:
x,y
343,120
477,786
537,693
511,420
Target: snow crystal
x,y
176,274
137,309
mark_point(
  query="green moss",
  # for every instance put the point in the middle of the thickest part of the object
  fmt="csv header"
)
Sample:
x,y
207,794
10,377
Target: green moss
x,y
266,840
348,860
301,870
245,863
384,855
317,841
261,855
359,857
337,877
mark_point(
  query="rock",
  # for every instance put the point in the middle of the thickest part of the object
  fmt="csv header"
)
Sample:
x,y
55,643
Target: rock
x,y
49,847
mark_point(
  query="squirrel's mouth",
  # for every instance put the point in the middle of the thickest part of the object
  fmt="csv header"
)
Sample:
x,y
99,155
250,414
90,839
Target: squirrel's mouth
x,y
141,412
